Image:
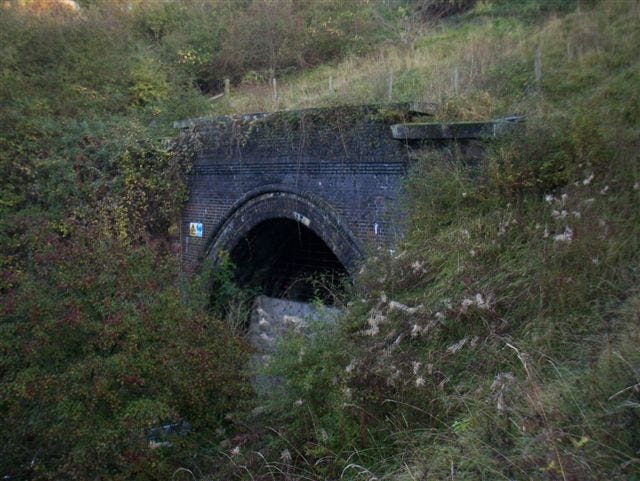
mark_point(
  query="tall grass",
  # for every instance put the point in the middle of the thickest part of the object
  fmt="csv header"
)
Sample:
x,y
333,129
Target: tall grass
x,y
500,340
475,69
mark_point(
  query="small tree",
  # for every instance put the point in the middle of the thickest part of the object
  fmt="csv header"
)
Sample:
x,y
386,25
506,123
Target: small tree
x,y
264,38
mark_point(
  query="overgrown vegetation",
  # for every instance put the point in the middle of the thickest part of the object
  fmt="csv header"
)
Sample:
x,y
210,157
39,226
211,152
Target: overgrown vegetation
x,y
101,339
500,341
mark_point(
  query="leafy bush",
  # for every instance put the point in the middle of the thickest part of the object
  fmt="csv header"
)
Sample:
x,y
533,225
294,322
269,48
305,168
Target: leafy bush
x,y
97,343
148,83
294,35
98,348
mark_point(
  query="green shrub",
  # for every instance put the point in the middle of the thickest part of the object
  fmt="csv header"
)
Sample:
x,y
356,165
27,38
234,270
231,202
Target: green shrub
x,y
148,83
98,348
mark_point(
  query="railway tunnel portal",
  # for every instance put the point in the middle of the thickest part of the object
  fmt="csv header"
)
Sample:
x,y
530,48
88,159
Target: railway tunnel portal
x,y
294,195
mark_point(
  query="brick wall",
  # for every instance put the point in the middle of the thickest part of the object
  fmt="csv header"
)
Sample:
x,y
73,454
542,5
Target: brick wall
x,y
344,160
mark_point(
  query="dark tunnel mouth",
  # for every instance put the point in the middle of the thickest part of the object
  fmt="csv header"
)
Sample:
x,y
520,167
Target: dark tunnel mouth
x,y
283,258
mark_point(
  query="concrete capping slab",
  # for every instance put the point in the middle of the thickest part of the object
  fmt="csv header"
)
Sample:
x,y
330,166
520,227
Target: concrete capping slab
x,y
454,130
423,108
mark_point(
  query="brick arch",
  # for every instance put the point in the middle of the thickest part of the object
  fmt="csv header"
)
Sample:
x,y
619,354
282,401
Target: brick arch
x,y
307,209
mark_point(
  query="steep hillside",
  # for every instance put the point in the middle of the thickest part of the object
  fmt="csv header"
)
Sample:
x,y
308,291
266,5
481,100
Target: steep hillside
x,y
499,341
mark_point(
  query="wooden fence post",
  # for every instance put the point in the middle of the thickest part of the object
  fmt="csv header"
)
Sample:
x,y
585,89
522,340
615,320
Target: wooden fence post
x,y
275,90
456,80
537,66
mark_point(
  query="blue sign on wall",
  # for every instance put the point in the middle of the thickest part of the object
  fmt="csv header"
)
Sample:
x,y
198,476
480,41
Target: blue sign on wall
x,y
195,229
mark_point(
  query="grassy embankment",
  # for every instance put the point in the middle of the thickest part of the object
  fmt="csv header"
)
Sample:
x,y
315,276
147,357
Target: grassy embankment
x,y
517,356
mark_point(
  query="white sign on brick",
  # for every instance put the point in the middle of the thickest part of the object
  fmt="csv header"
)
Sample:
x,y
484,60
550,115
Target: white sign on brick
x,y
302,219
195,229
